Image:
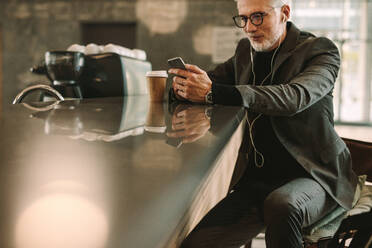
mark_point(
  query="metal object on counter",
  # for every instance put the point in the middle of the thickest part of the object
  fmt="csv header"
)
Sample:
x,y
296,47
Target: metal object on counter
x,y
42,87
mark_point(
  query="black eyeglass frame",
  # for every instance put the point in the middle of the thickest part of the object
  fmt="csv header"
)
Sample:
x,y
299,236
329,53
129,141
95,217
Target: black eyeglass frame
x,y
245,18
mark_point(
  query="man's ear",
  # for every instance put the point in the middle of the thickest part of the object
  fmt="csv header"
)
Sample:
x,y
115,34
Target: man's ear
x,y
286,12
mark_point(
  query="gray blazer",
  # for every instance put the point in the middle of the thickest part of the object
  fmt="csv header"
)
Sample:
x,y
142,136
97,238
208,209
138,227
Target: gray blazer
x,y
299,103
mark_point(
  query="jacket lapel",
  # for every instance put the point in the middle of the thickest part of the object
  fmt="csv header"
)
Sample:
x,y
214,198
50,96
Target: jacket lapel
x,y
246,74
242,64
290,41
293,34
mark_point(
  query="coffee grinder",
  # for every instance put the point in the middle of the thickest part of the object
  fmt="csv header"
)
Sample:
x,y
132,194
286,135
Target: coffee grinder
x,y
63,69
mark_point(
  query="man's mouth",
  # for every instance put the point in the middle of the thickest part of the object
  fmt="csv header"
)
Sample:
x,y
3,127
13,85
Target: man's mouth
x,y
256,37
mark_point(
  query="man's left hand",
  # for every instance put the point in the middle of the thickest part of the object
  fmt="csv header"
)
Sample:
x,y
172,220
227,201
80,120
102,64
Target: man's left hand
x,y
194,86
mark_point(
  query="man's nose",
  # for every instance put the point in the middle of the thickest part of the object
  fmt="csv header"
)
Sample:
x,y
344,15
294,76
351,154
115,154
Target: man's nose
x,y
249,28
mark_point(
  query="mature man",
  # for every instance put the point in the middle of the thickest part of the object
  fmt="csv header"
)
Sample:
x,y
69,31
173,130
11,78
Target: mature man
x,y
297,167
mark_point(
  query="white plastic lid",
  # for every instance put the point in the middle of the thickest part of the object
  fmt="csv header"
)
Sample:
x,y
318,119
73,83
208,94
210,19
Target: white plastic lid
x,y
157,74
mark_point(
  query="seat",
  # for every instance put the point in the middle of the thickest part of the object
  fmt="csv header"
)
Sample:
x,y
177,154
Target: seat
x,y
353,227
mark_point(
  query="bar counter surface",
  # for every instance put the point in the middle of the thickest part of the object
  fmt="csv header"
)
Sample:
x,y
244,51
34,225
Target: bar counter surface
x,y
104,173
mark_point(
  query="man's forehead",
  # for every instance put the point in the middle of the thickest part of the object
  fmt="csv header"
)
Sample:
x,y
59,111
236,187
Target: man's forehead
x,y
254,5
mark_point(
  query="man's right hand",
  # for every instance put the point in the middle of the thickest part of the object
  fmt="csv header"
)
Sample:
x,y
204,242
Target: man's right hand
x,y
192,85
177,95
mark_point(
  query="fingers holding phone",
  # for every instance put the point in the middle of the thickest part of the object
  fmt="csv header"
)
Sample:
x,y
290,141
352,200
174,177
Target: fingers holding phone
x,y
190,82
177,67
194,88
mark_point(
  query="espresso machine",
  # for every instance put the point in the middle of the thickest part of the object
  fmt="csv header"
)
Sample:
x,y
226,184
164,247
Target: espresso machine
x,y
76,75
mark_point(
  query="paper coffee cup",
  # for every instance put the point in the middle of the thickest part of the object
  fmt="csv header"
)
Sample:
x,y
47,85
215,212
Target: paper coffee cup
x,y
156,82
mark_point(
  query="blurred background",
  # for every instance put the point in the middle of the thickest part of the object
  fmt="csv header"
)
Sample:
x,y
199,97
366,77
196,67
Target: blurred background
x,y
200,31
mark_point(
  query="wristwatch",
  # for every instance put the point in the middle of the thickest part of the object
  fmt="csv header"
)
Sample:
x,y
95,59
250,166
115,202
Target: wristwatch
x,y
209,97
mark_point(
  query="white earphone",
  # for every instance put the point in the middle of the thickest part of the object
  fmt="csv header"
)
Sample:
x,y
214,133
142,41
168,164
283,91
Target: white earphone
x,y
259,164
284,18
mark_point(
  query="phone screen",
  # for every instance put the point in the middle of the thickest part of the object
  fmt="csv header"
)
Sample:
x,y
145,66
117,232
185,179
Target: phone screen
x,y
177,63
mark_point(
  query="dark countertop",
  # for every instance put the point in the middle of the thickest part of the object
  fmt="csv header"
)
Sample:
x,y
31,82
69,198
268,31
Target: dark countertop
x,y
97,173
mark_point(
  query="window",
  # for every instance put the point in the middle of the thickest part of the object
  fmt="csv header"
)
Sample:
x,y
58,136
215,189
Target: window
x,y
348,24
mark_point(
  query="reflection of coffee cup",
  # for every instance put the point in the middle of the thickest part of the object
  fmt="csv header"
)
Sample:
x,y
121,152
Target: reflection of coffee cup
x,y
156,81
155,121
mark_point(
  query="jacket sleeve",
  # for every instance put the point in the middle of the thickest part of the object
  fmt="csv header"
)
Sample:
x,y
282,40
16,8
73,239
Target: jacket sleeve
x,y
289,98
223,79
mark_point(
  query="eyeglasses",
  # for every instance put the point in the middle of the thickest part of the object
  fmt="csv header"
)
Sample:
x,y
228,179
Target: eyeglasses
x,y
255,18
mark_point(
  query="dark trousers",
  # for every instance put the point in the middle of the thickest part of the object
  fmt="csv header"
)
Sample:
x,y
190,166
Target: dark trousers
x,y
252,208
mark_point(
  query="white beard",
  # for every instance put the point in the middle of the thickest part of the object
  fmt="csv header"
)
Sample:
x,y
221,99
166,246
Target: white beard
x,y
266,44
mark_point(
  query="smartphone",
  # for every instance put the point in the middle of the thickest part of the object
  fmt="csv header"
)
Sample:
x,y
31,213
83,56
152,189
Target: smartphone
x,y
177,62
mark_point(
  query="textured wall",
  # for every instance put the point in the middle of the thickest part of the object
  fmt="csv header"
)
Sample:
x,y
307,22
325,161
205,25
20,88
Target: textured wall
x,y
166,28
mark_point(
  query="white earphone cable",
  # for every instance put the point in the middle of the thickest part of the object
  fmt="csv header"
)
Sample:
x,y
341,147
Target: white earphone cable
x,y
250,125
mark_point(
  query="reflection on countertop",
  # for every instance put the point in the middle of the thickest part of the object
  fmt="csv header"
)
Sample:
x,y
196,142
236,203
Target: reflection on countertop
x,y
110,121
100,172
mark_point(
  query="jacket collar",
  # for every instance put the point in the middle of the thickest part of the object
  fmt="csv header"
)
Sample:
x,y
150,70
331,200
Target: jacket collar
x,y
288,45
290,41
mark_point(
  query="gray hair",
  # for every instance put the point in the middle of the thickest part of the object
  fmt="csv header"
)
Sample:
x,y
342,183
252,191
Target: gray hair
x,y
281,2
278,2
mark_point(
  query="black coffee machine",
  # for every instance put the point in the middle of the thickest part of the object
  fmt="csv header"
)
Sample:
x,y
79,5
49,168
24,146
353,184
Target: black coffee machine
x,y
75,75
